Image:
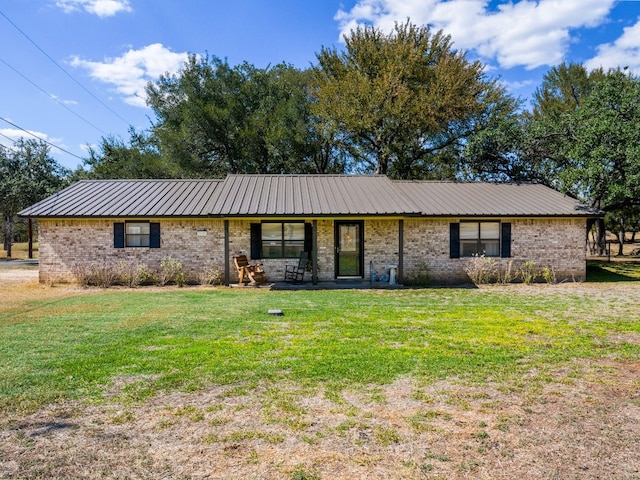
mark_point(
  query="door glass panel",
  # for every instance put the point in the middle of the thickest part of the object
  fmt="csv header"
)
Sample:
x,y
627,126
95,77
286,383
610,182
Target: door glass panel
x,y
349,250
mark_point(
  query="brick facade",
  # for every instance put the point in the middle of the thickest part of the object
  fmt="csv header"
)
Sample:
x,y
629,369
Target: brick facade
x,y
199,244
555,242
65,243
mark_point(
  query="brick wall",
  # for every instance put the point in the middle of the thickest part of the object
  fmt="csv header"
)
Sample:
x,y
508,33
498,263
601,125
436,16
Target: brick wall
x,y
63,243
558,242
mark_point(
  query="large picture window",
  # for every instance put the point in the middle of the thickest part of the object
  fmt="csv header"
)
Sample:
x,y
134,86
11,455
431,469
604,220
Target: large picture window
x,y
282,239
480,238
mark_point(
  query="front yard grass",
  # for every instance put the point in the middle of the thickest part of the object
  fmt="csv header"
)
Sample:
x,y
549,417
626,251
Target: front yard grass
x,y
183,340
498,382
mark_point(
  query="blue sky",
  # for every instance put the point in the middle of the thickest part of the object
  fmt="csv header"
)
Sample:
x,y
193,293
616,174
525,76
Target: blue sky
x,y
73,71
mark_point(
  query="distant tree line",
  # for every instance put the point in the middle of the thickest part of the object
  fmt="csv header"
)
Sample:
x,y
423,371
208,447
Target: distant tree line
x,y
405,104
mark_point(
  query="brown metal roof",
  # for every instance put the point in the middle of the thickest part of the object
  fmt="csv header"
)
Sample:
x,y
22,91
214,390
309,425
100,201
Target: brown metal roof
x,y
312,195
130,198
303,195
491,199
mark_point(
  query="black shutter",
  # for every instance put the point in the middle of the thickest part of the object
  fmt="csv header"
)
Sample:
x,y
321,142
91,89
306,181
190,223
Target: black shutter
x,y
256,241
154,235
118,235
454,240
308,238
505,248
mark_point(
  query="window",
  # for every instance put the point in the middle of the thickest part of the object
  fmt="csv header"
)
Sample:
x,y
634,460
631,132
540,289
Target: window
x,y
136,234
480,238
282,239
477,238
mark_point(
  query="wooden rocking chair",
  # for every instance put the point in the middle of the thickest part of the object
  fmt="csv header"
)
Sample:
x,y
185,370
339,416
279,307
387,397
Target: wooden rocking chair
x,y
295,273
251,272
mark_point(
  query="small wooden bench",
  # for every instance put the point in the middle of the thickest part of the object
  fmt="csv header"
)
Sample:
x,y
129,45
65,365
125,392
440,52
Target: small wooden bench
x,y
251,272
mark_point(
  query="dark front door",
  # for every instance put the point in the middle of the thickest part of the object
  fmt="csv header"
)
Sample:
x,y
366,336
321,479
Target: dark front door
x,y
349,243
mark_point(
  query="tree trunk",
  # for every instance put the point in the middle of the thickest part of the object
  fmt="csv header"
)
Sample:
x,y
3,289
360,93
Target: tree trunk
x,y
9,235
600,237
620,236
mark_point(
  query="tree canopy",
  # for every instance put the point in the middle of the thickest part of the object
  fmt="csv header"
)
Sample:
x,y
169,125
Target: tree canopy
x,y
140,158
28,174
405,101
214,119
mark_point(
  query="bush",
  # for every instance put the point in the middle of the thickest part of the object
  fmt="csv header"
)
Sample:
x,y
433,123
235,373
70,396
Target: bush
x,y
549,274
528,272
505,275
210,276
420,276
135,274
96,274
171,272
481,269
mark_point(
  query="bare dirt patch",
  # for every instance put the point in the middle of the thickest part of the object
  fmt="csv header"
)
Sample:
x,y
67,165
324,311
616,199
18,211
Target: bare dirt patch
x,y
582,425
17,275
18,284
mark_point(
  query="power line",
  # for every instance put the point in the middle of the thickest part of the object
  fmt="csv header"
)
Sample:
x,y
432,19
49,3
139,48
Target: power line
x,y
11,140
52,97
41,139
63,70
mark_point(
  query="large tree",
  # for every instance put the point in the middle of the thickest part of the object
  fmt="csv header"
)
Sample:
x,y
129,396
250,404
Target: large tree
x,y
139,158
28,174
582,137
215,119
531,146
405,102
563,89
603,148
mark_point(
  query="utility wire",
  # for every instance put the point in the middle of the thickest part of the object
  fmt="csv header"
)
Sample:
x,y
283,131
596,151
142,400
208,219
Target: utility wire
x,y
11,140
53,97
41,139
64,71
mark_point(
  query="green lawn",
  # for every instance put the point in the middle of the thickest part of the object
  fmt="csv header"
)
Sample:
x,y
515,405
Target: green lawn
x,y
78,345
616,271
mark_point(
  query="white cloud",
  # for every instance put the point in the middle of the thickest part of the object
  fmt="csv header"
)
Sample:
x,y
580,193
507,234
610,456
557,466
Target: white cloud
x,y
14,135
130,72
528,33
8,137
101,8
65,102
87,148
624,52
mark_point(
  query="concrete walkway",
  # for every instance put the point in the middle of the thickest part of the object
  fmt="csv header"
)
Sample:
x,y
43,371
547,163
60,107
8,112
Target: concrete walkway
x,y
18,263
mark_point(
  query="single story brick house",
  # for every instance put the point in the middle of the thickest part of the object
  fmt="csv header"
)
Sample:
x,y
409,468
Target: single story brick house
x,y
348,223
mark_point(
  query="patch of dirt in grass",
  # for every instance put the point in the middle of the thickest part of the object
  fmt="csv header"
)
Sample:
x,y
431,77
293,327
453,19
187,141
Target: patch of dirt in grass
x,y
17,275
20,284
583,424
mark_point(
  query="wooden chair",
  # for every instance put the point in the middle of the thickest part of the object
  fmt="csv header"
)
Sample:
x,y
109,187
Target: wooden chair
x,y
295,273
252,272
